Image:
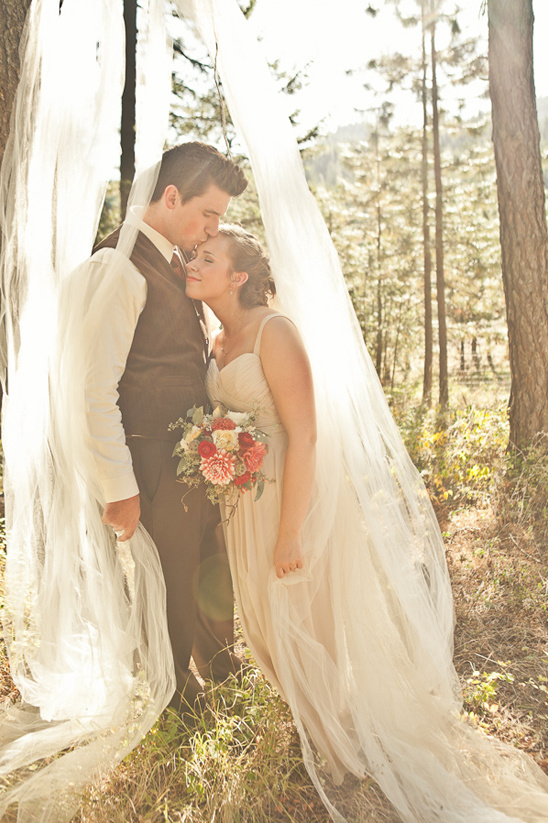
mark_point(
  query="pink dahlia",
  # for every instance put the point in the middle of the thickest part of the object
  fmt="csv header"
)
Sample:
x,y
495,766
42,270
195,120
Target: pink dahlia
x,y
219,468
253,458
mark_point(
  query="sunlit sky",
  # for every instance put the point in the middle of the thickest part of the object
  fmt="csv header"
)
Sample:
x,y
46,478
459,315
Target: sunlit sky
x,y
334,37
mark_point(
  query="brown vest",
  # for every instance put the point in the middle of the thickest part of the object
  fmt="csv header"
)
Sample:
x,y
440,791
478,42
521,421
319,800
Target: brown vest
x,y
166,365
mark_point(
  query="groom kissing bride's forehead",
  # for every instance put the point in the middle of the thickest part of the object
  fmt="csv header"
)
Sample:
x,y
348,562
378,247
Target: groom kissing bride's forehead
x,y
193,191
150,363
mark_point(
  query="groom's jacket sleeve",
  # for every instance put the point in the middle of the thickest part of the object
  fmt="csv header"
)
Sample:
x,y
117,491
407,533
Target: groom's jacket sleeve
x,y
110,348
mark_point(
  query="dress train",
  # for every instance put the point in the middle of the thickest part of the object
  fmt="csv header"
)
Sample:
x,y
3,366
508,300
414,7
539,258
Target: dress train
x,y
367,696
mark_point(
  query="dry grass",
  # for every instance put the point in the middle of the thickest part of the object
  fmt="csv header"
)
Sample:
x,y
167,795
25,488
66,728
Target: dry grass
x,y
240,764
500,580
225,771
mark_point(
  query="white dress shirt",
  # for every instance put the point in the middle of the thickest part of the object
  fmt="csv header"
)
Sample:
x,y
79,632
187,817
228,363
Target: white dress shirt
x,y
108,441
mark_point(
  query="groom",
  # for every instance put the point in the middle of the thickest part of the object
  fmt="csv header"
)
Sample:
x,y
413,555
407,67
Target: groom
x,y
150,371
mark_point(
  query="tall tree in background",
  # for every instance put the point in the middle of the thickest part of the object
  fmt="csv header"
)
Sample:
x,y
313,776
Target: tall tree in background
x,y
427,256
127,125
430,15
12,21
11,25
523,233
440,273
380,347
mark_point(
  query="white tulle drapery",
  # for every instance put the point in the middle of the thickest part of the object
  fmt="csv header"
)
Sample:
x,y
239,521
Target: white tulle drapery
x,y
84,622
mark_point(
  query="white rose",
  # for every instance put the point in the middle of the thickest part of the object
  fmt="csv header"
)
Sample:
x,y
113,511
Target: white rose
x,y
193,434
225,439
237,417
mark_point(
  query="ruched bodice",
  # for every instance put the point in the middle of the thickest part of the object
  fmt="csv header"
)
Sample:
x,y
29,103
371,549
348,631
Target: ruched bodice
x,y
241,386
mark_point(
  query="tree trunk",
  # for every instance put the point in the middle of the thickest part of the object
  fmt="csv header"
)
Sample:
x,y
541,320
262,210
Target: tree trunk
x,y
127,129
476,360
440,276
11,25
12,21
380,336
523,233
379,344
428,337
395,357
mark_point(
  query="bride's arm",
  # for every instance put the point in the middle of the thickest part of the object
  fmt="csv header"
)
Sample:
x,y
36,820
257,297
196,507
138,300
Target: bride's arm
x,y
287,370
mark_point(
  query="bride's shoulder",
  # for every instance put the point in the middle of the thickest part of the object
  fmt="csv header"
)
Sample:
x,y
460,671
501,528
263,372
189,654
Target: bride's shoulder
x,y
283,355
276,316
278,330
275,323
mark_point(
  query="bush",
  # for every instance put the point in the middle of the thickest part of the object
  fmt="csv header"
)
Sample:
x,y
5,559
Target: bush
x,y
459,453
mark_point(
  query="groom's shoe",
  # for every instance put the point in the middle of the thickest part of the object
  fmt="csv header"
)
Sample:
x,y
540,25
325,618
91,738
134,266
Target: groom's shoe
x,y
223,665
189,698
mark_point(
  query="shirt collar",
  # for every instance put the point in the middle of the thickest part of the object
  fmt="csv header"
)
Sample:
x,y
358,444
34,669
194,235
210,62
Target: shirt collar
x,y
164,246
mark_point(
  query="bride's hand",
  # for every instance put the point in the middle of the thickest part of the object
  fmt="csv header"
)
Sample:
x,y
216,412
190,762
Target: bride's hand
x,y
288,555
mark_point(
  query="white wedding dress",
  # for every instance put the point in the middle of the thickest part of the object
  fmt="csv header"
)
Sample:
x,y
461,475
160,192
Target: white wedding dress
x,y
362,690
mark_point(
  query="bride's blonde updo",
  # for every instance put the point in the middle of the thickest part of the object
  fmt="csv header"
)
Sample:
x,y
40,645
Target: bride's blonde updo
x,y
247,254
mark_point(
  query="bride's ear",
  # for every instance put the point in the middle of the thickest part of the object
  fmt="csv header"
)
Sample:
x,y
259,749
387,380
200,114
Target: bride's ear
x,y
239,278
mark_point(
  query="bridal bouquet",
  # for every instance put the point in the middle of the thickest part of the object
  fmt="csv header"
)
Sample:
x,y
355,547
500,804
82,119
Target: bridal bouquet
x,y
224,450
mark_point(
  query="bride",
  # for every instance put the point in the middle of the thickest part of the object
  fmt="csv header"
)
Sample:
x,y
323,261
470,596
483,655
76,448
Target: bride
x,y
320,616
286,401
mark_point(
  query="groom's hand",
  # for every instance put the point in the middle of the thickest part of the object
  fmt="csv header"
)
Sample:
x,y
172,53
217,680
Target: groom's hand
x,y
123,516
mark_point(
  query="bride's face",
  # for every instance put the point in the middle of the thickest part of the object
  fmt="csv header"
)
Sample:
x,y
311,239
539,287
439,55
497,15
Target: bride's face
x,y
208,273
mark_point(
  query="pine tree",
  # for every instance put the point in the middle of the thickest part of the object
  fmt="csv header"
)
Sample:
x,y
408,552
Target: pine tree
x,y
523,231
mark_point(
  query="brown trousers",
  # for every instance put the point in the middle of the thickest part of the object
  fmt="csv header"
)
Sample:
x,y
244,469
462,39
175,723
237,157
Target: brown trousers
x,y
193,557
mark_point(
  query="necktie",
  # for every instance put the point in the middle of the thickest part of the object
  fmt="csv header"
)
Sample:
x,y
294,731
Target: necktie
x,y
177,266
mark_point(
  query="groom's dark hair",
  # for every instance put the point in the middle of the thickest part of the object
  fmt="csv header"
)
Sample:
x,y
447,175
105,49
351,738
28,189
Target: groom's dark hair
x,y
193,167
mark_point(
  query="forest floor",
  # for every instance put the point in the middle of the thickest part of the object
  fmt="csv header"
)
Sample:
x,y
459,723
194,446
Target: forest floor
x,y
241,763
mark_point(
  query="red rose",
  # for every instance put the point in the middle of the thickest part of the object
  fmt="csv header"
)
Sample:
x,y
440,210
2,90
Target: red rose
x,y
253,458
243,478
245,441
206,449
223,423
